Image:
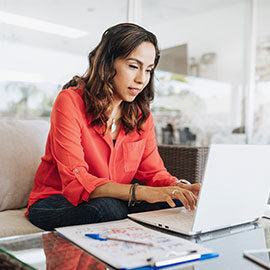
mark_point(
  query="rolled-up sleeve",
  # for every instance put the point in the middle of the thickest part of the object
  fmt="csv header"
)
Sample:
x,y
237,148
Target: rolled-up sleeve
x,y
151,169
67,150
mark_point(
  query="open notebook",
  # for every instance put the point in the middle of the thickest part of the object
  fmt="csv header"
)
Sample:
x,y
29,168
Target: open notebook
x,y
234,191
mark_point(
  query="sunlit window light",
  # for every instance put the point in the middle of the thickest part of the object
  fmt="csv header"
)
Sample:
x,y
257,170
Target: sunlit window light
x,y
40,25
11,75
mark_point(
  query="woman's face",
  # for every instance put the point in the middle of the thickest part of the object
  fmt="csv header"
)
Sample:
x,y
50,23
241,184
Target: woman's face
x,y
133,72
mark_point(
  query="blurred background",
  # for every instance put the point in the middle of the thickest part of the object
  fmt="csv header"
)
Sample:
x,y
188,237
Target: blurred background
x,y
212,83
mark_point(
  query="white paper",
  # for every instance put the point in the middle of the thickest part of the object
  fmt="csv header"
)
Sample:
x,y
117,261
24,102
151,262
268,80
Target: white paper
x,y
124,254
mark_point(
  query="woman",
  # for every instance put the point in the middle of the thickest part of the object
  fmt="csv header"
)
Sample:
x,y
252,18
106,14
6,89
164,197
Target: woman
x,y
102,136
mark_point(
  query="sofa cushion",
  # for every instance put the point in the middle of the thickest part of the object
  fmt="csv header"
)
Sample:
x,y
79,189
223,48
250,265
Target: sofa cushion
x,y
22,144
14,222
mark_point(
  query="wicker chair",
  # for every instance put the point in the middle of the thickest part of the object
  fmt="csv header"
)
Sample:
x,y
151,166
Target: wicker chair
x,y
185,162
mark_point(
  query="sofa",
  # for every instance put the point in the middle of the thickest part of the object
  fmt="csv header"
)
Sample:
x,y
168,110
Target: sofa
x,y
22,146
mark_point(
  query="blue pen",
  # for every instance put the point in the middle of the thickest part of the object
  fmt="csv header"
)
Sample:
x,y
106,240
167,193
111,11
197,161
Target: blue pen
x,y
208,256
97,236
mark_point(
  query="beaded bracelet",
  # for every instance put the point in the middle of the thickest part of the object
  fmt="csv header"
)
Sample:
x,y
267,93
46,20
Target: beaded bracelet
x,y
132,197
129,195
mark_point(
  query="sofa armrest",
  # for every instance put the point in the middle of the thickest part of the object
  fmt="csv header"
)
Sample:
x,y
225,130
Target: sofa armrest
x,y
187,162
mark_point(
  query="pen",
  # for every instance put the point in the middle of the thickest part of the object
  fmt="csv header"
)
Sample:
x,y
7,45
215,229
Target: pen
x,y
185,256
97,237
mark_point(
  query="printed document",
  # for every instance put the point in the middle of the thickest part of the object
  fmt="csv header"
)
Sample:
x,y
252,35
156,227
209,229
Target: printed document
x,y
166,249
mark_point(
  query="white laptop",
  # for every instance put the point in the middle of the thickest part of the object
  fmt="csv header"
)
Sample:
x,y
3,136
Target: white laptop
x,y
234,191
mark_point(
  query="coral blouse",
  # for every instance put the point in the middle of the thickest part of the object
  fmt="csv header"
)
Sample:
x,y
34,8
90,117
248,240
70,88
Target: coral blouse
x,y
78,158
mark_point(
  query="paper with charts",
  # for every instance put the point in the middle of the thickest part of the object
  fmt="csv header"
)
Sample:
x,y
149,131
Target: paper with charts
x,y
128,255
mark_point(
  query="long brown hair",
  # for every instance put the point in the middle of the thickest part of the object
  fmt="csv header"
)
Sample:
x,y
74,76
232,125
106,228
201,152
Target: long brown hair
x,y
117,41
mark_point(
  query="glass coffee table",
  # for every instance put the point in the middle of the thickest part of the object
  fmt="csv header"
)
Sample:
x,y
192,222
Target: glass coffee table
x,y
43,251
48,250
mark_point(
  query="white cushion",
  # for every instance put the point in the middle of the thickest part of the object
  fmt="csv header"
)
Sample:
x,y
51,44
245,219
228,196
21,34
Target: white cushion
x,y
22,144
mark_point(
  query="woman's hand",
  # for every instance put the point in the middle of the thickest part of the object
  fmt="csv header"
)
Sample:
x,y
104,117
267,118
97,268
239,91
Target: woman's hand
x,y
194,188
167,194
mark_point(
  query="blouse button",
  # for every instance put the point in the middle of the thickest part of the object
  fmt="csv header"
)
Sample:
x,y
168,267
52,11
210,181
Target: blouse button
x,y
76,170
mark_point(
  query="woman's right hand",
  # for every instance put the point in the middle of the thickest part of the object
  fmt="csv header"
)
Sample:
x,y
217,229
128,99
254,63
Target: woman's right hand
x,y
167,194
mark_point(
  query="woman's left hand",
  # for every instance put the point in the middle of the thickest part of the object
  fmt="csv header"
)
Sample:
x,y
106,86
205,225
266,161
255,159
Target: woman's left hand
x,y
194,188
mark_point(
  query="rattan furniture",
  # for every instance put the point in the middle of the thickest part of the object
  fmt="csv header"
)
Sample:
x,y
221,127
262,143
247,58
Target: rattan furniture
x,y
187,162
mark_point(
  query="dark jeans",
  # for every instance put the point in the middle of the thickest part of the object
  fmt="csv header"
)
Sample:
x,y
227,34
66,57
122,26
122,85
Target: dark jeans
x,y
57,211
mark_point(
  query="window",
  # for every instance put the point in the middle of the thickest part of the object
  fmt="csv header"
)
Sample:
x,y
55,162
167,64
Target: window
x,y
207,102
43,44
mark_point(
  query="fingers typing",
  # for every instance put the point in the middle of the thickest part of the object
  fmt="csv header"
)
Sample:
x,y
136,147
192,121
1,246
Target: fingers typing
x,y
188,199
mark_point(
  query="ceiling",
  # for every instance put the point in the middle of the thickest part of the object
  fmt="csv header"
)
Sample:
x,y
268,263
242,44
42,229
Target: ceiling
x,y
93,17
